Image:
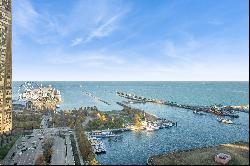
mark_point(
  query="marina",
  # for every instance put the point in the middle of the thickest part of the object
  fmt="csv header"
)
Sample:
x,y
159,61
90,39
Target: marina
x,y
95,139
97,145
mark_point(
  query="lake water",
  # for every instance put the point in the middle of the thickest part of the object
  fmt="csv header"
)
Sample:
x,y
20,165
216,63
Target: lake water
x,y
192,130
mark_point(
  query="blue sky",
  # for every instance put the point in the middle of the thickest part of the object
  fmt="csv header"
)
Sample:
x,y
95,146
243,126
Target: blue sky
x,y
131,40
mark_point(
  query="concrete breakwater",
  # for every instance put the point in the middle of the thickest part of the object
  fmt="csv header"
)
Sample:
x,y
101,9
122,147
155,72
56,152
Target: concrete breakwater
x,y
214,109
96,98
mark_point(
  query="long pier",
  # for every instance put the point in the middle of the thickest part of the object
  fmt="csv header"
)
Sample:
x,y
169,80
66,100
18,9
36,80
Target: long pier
x,y
216,109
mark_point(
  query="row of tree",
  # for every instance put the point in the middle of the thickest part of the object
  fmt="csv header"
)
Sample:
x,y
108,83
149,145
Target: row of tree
x,y
84,145
47,149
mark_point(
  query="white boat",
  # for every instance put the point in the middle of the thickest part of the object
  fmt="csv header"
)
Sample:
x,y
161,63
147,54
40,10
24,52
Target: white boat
x,y
152,128
149,128
102,134
198,112
168,124
226,121
156,127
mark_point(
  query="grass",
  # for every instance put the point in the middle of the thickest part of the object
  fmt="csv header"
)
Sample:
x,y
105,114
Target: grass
x,y
5,148
205,156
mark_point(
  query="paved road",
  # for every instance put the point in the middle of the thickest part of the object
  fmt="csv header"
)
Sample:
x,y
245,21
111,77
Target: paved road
x,y
86,121
27,148
69,156
59,150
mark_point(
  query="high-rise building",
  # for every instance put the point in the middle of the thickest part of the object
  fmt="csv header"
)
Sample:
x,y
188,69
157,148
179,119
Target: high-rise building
x,y
5,66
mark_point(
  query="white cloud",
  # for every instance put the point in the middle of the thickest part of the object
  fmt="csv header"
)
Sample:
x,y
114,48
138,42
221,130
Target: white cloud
x,y
84,58
104,29
24,16
81,20
184,50
76,41
101,31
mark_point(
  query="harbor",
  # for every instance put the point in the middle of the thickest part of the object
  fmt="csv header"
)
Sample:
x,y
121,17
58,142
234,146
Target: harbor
x,y
189,125
140,122
193,129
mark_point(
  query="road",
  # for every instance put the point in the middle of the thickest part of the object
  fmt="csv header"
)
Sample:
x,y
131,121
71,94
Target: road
x,y
69,152
27,148
59,150
86,121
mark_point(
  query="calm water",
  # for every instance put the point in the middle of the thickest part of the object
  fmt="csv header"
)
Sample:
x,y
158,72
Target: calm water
x,y
192,130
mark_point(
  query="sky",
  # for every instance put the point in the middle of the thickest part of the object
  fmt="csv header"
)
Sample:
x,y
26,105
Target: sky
x,y
130,40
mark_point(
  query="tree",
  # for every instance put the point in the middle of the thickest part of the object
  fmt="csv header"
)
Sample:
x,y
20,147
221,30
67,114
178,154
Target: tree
x,y
94,162
137,121
47,149
84,144
40,160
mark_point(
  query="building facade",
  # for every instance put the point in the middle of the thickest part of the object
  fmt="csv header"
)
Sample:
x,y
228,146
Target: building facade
x,y
5,66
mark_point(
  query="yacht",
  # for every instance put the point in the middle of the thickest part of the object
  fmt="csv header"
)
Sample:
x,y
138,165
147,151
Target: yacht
x,y
226,121
152,128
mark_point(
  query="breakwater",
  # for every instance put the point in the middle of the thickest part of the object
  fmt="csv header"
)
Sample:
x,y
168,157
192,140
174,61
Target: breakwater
x,y
214,109
96,98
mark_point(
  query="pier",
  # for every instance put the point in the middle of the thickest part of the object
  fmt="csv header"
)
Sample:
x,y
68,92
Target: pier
x,y
215,109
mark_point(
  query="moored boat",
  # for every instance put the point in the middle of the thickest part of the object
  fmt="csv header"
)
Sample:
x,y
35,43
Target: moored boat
x,y
101,134
226,121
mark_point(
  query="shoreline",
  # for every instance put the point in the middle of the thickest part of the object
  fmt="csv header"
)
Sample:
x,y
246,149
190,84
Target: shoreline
x,y
204,155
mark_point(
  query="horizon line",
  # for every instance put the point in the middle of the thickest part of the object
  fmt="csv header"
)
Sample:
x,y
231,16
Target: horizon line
x,y
130,80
